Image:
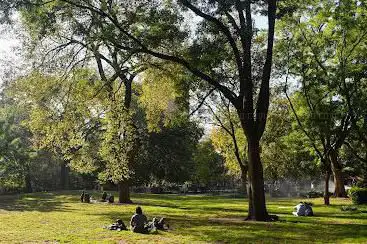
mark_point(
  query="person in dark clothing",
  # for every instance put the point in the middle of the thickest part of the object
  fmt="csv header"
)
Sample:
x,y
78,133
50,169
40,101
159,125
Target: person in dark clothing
x,y
160,224
139,222
303,209
119,226
104,196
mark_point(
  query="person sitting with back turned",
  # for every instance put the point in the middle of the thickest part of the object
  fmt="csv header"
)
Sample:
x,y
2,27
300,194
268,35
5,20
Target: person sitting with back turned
x,y
300,209
308,211
138,222
303,209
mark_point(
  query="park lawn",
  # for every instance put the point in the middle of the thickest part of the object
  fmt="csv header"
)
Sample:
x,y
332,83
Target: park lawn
x,y
60,217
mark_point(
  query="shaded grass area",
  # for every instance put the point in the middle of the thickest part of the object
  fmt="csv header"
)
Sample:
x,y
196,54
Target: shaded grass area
x,y
60,217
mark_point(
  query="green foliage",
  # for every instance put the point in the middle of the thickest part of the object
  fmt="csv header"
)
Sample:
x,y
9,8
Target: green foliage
x,y
313,194
284,152
23,166
170,152
82,119
210,167
78,120
63,115
119,144
224,144
320,46
171,137
74,118
164,96
358,195
15,147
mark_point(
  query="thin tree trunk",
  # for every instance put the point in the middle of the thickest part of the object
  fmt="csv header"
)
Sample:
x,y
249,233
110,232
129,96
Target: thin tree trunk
x,y
64,176
247,189
326,190
256,178
338,175
250,212
28,182
244,180
124,192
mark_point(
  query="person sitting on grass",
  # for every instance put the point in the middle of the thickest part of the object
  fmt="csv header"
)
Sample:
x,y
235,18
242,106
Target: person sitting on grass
x,y
139,222
160,224
119,226
303,209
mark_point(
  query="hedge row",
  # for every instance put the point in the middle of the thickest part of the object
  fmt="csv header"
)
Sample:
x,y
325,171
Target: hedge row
x,y
358,195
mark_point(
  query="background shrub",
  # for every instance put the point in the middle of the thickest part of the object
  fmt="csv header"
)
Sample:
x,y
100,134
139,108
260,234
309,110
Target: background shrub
x,y
358,195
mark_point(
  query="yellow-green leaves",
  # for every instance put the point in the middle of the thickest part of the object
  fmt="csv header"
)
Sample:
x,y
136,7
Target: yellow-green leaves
x,y
160,91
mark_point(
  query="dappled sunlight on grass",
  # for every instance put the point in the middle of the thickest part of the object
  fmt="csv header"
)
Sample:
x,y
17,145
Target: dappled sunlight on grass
x,y
61,217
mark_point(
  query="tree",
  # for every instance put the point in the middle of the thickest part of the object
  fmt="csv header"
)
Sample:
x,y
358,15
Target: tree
x,y
15,148
228,139
323,42
74,118
285,154
224,144
84,38
153,28
210,168
171,152
172,136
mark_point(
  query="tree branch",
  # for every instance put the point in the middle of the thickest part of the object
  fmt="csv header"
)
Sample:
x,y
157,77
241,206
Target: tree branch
x,y
202,101
262,105
222,28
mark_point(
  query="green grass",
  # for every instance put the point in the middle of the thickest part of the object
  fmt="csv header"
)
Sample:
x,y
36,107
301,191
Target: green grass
x,y
60,217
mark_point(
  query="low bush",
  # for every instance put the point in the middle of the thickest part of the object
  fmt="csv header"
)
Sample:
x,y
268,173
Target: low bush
x,y
312,194
358,195
278,193
349,208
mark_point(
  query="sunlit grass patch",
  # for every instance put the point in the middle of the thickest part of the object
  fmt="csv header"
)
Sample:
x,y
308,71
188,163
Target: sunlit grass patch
x,y
60,217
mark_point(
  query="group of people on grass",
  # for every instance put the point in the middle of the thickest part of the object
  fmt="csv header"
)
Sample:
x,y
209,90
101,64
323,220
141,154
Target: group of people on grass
x,y
139,223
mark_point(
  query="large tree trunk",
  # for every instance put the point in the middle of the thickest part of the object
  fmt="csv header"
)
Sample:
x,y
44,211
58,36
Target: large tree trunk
x,y
338,175
256,178
124,192
326,189
64,175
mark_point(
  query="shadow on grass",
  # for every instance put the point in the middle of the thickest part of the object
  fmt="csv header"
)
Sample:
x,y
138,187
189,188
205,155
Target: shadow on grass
x,y
114,215
235,230
231,227
352,215
213,219
42,202
205,209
